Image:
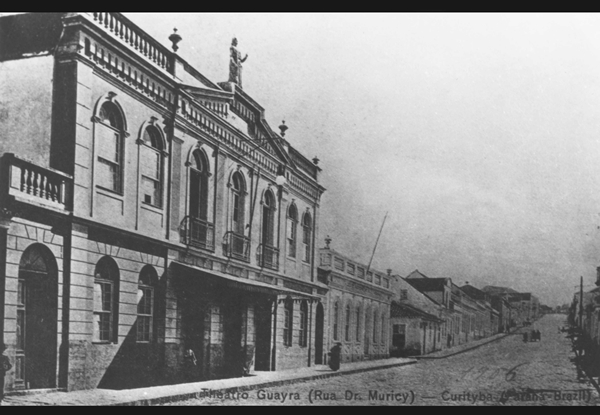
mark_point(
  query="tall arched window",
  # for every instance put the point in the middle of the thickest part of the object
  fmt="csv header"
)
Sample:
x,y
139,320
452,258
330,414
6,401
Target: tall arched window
x,y
146,299
382,328
374,326
238,190
347,326
268,219
367,329
292,219
336,320
236,243
269,254
303,331
199,173
151,166
109,137
288,322
357,323
306,235
106,301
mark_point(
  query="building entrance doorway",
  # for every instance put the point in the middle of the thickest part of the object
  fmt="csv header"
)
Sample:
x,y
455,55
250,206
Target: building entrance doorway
x,y
37,317
319,329
398,338
232,338
193,315
262,320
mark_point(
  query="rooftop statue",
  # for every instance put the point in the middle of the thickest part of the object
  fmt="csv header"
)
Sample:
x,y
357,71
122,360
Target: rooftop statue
x,y
235,63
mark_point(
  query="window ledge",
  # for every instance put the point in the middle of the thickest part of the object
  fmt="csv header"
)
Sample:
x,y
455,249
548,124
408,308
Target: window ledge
x,y
111,192
151,207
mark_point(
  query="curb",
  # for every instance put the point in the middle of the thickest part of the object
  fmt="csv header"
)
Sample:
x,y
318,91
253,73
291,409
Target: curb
x,y
233,389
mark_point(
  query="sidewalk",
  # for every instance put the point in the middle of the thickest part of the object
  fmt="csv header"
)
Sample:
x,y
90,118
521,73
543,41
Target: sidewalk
x,y
442,354
170,393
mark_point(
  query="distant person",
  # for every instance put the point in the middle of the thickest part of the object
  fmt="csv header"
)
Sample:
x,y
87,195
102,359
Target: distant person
x,y
538,335
335,356
191,364
5,367
525,337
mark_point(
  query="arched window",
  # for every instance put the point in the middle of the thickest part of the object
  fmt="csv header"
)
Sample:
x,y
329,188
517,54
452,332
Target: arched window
x,y
306,235
347,326
268,219
238,190
151,167
303,331
106,301
288,322
367,329
374,326
357,322
336,320
236,244
145,310
109,136
382,328
292,219
199,173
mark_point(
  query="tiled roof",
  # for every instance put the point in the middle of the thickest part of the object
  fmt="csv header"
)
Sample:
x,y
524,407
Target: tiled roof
x,y
428,284
407,310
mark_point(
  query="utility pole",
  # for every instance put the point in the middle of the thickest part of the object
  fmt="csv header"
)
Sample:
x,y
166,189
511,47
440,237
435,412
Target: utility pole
x,y
376,242
581,316
581,303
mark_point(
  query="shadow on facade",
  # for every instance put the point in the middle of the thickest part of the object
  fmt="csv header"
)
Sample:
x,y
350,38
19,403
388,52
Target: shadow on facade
x,y
221,333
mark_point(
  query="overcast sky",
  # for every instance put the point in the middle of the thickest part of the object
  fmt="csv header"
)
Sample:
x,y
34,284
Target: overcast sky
x,y
479,133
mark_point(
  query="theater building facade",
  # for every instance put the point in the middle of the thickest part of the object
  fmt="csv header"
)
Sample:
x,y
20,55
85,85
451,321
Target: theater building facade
x,y
153,228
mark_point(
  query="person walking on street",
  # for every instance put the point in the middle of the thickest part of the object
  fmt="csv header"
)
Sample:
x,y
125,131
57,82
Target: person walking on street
x,y
335,356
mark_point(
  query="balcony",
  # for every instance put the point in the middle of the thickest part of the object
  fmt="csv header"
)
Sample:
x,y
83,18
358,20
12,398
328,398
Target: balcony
x,y
236,246
35,185
197,233
267,257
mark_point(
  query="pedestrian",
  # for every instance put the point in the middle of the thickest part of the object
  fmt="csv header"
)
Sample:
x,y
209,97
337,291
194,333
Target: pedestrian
x,y
525,337
335,356
5,367
538,335
190,365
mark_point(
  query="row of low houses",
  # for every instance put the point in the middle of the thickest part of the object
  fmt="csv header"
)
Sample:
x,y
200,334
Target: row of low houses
x,y
154,229
425,314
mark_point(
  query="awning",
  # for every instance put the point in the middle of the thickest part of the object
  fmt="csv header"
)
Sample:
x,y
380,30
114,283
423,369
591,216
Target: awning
x,y
244,283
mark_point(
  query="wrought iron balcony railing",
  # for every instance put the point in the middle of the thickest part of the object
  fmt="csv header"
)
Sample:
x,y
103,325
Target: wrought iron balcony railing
x,y
29,183
197,233
236,246
267,257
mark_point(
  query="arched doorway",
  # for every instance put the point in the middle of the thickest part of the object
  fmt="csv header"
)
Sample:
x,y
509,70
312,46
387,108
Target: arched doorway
x,y
319,326
37,316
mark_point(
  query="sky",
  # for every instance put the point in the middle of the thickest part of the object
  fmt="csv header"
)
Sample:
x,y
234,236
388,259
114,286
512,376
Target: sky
x,y
478,134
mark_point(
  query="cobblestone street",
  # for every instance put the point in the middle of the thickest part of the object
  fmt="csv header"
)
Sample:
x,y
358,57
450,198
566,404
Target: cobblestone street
x,y
506,372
